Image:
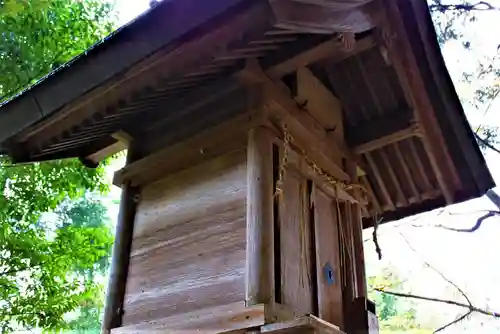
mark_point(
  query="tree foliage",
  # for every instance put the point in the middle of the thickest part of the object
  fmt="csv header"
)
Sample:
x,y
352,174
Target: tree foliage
x,y
46,268
39,263
38,36
395,315
451,19
86,213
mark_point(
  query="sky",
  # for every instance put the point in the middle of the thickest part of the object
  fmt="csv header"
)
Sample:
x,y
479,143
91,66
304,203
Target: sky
x,y
469,260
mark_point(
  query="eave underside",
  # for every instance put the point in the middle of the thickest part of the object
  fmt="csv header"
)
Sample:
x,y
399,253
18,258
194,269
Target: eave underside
x,y
178,92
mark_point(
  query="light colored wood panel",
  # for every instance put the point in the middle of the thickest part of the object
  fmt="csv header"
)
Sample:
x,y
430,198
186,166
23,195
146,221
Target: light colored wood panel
x,y
328,256
212,320
189,243
199,291
159,273
307,324
201,238
296,281
192,193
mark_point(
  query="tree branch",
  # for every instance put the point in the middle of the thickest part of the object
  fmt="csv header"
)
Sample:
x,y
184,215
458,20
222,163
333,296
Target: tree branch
x,y
376,222
472,308
476,226
485,143
478,6
457,320
428,265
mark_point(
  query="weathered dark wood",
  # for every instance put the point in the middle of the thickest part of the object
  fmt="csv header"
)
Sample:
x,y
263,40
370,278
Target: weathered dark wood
x,y
208,144
328,259
331,50
260,231
308,134
295,250
406,65
379,127
386,140
119,268
172,60
406,171
380,181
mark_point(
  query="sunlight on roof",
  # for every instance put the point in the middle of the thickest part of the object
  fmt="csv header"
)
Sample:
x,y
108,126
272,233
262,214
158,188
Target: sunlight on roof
x,y
130,9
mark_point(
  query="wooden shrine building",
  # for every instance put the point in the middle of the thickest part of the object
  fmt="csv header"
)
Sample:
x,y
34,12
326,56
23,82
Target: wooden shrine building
x,y
262,136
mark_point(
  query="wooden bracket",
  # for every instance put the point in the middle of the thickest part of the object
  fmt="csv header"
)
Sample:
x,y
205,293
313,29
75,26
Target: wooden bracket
x,y
307,133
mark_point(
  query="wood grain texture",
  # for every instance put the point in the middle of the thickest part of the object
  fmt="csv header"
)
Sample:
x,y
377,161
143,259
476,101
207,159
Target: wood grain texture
x,y
218,319
260,219
295,249
328,254
188,251
306,324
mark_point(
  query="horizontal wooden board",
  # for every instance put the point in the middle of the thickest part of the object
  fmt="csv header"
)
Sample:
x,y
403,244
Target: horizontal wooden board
x,y
188,251
209,320
196,192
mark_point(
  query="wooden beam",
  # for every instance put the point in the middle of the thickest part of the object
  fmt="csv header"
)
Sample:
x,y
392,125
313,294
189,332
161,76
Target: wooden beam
x,y
406,171
387,140
319,101
366,183
380,181
378,127
260,219
308,134
305,324
298,161
311,17
390,170
218,140
420,166
406,64
250,20
107,151
213,320
123,141
331,50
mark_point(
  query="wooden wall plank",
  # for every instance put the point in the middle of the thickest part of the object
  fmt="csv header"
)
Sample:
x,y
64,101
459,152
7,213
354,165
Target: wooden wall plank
x,y
328,255
296,268
212,320
188,251
175,195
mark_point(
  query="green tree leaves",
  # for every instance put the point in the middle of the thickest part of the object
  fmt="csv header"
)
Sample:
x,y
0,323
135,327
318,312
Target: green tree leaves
x,y
48,268
38,36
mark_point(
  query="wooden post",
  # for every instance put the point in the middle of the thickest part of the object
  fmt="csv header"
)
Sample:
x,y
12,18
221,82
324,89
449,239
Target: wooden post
x,y
356,225
359,254
120,257
259,248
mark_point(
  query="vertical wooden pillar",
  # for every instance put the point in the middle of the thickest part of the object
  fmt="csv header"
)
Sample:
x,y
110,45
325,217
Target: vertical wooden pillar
x,y
356,226
359,254
120,257
259,241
